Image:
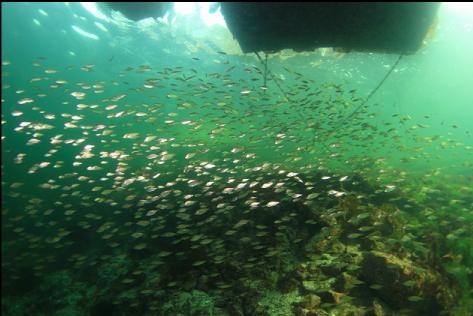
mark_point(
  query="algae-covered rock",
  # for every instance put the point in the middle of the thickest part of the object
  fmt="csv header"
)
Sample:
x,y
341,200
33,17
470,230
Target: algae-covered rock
x,y
278,304
59,294
400,282
321,285
311,301
310,286
308,306
193,303
349,310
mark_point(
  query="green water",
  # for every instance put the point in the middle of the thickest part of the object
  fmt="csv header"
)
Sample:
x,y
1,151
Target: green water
x,y
145,172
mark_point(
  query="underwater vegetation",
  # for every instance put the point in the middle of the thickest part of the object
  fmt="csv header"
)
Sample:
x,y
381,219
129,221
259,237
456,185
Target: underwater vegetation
x,y
353,255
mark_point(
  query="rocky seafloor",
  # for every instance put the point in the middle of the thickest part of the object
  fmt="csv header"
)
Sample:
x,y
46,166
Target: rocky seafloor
x,y
369,252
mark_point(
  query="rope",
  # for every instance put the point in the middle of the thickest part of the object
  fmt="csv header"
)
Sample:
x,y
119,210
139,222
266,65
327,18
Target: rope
x,y
272,76
284,93
265,70
375,89
368,98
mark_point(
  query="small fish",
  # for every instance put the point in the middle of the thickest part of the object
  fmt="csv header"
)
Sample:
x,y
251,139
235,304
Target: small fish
x,y
78,95
409,283
25,101
414,298
354,236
